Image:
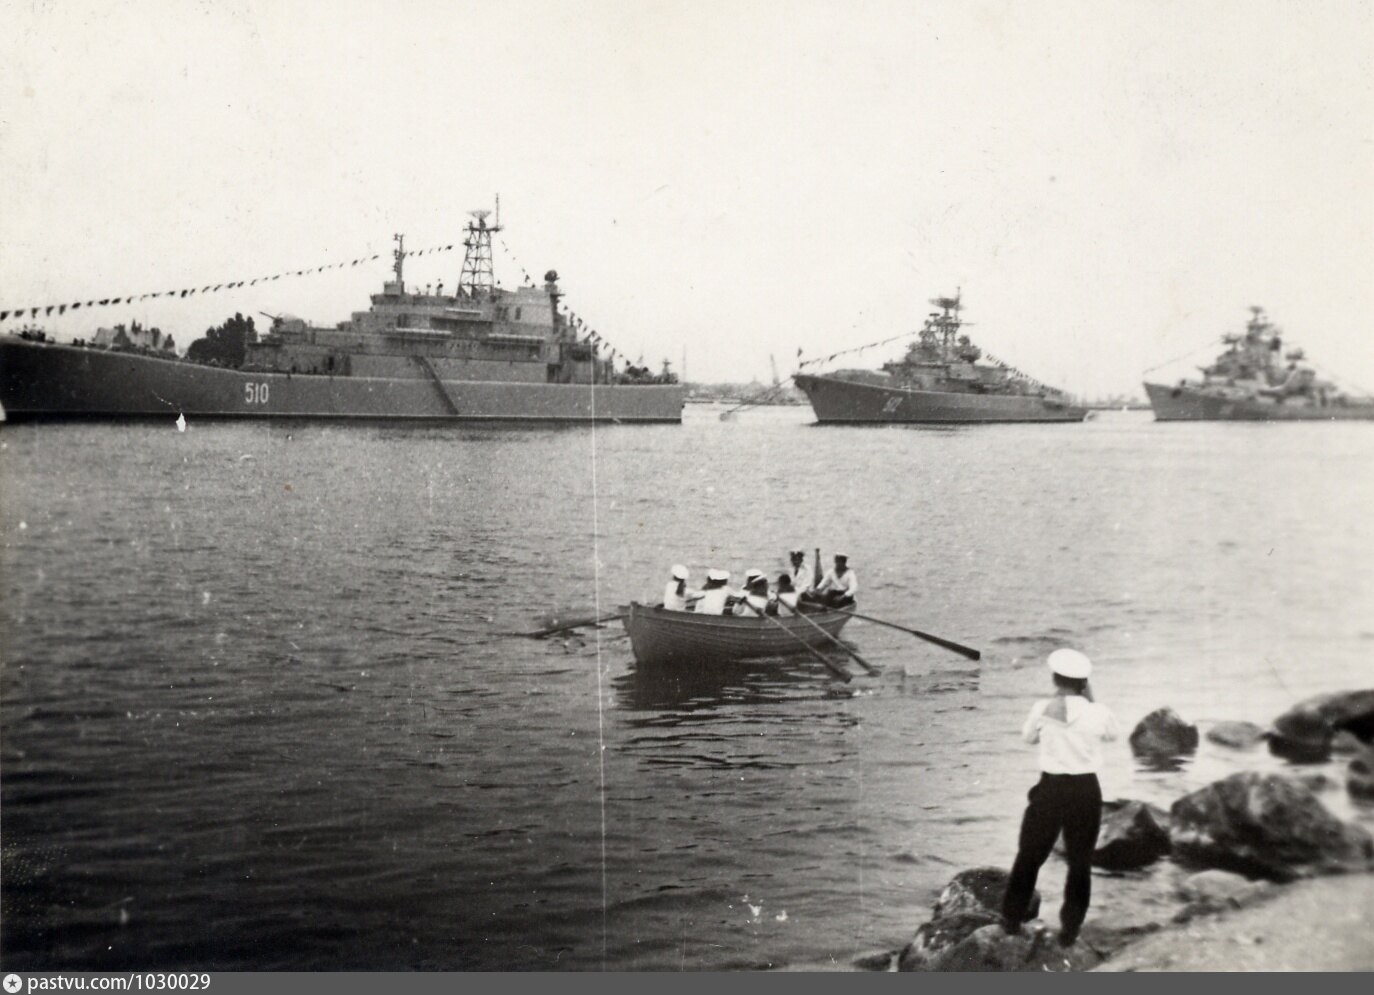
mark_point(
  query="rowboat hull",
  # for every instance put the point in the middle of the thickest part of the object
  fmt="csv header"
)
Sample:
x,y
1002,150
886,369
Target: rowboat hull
x,y
661,636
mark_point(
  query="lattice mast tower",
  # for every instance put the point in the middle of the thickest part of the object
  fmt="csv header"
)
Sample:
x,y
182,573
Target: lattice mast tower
x,y
478,275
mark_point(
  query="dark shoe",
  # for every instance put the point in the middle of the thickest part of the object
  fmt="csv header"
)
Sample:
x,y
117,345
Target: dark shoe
x,y
1010,927
1068,937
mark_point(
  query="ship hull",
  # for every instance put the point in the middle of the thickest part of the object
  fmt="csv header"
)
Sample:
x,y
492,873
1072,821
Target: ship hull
x,y
1184,403
845,402
49,381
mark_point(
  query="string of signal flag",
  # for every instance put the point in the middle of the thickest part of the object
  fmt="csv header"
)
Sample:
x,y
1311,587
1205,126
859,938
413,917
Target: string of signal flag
x,y
591,337
803,363
46,310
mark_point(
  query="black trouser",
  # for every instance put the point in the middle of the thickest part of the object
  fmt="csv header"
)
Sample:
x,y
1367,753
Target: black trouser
x,y
831,599
1068,802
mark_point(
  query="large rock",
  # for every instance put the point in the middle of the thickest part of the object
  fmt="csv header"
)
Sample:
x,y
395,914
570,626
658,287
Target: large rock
x,y
1347,742
1359,778
1163,734
1236,735
971,900
1304,732
1133,835
978,889
990,949
1265,825
1217,890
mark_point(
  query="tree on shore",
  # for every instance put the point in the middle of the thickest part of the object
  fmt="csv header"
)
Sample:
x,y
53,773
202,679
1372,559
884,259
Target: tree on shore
x,y
224,344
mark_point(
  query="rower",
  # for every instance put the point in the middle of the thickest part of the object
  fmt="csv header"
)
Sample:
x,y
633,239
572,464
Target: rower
x,y
786,597
677,595
755,602
736,598
713,593
839,586
800,576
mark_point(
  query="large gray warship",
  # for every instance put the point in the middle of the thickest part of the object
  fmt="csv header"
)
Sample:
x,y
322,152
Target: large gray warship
x,y
1254,380
938,381
482,354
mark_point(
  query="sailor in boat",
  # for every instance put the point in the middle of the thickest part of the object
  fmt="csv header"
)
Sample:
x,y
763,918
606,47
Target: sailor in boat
x,y
714,593
677,596
736,598
786,596
800,576
755,601
839,587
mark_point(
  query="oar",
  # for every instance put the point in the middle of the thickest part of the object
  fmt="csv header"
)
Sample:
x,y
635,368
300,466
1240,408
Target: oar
x,y
837,671
579,623
959,648
796,612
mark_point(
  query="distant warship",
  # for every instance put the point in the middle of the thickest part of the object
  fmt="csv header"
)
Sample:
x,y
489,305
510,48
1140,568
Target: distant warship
x,y
939,380
482,353
1251,381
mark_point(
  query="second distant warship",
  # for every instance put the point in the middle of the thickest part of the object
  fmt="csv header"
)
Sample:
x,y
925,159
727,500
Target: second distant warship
x,y
939,381
1255,380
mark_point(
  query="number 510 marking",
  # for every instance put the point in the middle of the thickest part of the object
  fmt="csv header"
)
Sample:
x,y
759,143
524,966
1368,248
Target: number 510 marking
x,y
255,393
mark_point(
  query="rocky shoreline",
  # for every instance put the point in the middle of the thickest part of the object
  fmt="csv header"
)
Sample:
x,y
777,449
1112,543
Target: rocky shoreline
x,y
1251,854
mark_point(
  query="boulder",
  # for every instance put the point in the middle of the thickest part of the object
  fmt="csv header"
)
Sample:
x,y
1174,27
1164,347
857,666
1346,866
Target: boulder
x,y
1209,892
1163,734
1346,742
1133,835
978,889
990,949
934,937
1236,735
875,962
971,900
1304,733
1265,825
1314,779
1359,777
1216,889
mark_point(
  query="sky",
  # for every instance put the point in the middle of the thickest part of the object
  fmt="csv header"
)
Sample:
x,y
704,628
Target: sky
x,y
1110,184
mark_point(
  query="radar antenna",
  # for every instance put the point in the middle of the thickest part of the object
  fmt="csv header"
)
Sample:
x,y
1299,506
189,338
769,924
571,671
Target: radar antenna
x,y
478,275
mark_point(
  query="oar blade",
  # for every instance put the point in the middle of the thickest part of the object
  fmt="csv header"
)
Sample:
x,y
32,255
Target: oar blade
x,y
949,644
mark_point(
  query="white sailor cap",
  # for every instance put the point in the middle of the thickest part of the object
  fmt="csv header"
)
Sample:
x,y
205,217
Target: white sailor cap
x,y
717,574
1070,663
798,552
680,572
841,555
752,574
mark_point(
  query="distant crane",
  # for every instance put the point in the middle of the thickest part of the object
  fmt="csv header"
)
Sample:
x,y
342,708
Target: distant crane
x,y
763,397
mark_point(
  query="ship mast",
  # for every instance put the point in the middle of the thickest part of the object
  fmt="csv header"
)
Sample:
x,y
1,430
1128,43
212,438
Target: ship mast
x,y
947,323
398,254
478,275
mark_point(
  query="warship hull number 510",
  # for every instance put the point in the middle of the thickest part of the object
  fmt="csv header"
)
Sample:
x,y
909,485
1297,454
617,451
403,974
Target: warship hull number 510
x,y
482,353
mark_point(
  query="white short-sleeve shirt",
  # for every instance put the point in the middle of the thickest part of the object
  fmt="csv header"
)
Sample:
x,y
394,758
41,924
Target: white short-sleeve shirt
x,y
1072,746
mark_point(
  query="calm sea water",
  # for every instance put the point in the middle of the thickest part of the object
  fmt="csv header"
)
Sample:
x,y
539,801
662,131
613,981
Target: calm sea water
x,y
258,708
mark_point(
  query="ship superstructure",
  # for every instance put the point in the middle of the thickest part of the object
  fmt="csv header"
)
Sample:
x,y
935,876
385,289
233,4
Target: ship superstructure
x,y
939,379
1255,379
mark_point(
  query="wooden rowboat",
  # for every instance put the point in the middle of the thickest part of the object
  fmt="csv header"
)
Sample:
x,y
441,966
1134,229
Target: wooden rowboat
x,y
662,636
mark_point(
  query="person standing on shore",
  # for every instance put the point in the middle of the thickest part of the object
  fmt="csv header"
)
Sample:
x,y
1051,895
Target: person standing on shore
x,y
1070,729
